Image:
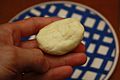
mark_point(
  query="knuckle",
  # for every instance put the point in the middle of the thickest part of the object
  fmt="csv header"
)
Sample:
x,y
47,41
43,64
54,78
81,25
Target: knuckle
x,y
40,59
5,31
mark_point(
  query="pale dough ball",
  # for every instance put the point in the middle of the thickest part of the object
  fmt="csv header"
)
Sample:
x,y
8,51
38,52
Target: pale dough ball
x,y
61,36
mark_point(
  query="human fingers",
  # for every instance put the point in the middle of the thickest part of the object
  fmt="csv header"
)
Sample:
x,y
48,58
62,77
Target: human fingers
x,y
31,26
76,57
72,59
58,73
27,27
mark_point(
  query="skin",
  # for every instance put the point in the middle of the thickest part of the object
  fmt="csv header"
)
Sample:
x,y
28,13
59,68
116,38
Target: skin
x,y
17,57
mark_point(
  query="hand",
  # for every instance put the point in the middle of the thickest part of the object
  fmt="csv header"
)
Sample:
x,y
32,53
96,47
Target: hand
x,y
17,57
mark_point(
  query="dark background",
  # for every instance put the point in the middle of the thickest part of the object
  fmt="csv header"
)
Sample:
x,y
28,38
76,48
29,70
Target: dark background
x,y
109,8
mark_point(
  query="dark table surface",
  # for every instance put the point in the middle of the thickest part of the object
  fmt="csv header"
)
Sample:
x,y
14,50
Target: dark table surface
x,y
108,8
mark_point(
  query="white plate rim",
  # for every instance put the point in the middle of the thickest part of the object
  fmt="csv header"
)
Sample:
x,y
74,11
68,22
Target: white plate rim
x,y
91,9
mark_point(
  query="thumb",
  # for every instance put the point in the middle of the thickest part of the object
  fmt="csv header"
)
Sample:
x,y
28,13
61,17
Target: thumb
x,y
31,60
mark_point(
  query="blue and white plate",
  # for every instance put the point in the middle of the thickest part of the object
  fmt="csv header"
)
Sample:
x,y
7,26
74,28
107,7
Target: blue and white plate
x,y
100,38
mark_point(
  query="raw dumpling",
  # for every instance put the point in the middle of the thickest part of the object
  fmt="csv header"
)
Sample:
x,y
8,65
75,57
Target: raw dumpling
x,y
60,37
